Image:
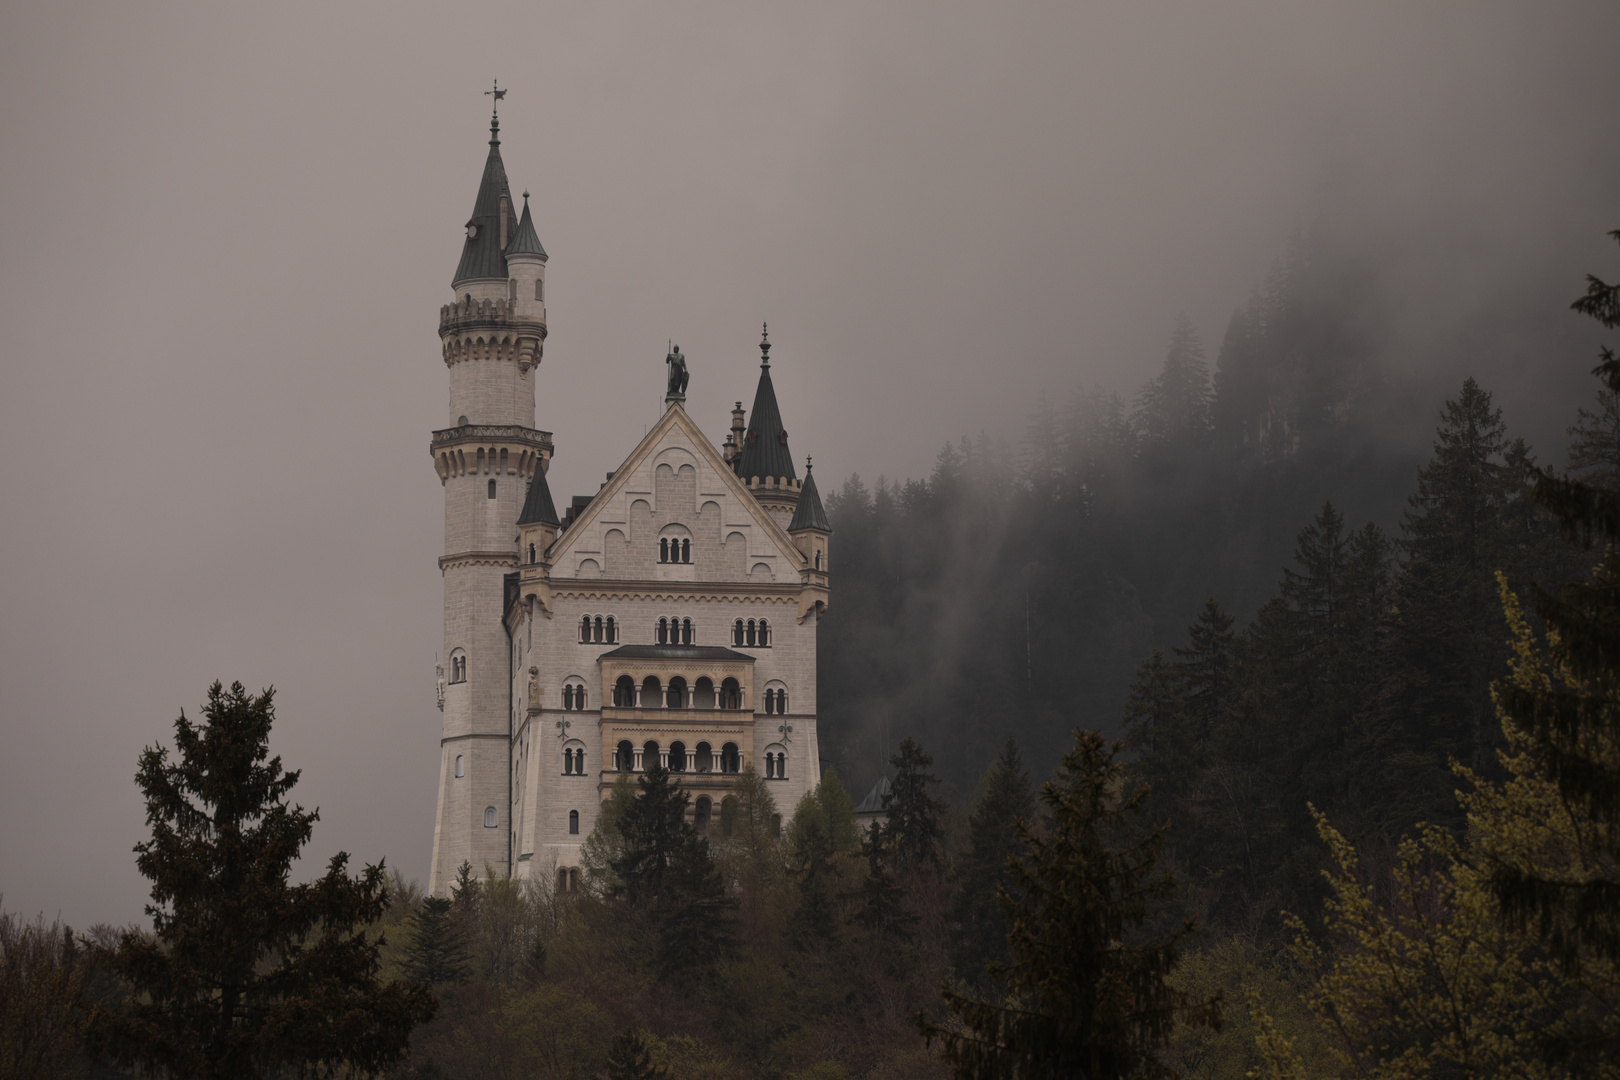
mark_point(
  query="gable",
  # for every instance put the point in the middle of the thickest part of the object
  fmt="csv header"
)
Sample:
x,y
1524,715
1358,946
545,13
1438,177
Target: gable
x,y
675,488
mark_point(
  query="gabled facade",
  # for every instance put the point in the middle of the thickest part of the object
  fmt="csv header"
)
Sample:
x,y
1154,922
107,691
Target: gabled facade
x,y
669,618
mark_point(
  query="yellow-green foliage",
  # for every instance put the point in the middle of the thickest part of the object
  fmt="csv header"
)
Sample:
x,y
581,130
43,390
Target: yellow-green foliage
x,y
1273,986
1432,981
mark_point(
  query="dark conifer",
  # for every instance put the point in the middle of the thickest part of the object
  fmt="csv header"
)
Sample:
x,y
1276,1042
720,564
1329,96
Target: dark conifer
x,y
436,946
880,901
1084,996
916,817
1003,798
244,974
631,1059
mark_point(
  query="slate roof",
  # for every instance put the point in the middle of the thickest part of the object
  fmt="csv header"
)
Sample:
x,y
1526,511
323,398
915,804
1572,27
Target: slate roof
x,y
809,514
765,445
526,241
873,803
538,508
673,652
481,255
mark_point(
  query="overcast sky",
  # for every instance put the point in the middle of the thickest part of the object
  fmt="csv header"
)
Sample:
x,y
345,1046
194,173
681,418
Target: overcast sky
x,y
228,230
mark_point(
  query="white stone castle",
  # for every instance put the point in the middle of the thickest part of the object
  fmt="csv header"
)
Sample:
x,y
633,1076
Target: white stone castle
x,y
668,619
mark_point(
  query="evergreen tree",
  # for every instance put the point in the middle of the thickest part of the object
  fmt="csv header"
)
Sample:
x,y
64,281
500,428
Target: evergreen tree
x,y
244,974
880,901
823,827
1594,442
1084,994
631,1059
1573,715
1172,415
653,830
436,945
916,817
1003,799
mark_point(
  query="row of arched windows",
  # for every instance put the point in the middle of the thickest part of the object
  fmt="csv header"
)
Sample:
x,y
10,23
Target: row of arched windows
x,y
776,701
652,694
573,697
674,631
754,632
598,629
677,758
672,550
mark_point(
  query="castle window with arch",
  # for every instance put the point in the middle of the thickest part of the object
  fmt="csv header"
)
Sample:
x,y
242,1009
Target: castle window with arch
x,y
539,289
624,693
600,630
492,489
686,551
573,823
461,765
458,667
674,550
490,818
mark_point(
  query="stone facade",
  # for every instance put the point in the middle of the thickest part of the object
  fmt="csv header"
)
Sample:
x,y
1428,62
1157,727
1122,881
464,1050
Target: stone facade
x,y
673,614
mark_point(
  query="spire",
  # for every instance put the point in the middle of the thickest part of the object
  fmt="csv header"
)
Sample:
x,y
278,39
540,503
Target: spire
x,y
538,508
809,514
481,255
765,446
525,241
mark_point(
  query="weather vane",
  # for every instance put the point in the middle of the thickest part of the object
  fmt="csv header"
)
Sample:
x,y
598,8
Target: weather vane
x,y
498,93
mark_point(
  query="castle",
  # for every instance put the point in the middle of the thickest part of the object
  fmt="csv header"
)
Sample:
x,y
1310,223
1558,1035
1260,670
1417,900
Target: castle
x,y
668,619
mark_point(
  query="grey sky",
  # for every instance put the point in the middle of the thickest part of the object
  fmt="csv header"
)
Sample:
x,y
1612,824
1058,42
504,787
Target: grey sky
x,y
228,229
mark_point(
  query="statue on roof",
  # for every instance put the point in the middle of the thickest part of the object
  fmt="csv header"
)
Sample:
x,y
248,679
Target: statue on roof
x,y
677,373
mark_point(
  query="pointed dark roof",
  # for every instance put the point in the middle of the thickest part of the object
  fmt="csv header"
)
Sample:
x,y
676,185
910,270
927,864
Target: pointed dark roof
x,y
809,514
537,508
525,241
481,255
765,445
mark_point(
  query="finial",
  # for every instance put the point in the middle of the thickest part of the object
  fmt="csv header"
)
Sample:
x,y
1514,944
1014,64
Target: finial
x,y
807,464
764,346
525,194
495,112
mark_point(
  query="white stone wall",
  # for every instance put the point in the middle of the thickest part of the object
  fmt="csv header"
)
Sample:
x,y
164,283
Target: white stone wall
x,y
488,391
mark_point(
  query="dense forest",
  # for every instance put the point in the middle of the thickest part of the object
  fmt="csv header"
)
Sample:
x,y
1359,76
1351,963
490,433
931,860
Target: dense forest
x,y
1188,770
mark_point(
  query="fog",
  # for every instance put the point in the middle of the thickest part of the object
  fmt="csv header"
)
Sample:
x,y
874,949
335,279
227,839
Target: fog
x,y
228,230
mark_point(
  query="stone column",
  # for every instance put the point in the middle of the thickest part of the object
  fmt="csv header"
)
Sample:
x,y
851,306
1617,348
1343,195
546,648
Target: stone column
x,y
663,758
636,755
638,695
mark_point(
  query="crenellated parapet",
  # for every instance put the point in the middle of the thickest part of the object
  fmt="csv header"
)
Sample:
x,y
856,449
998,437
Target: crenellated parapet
x,y
490,449
490,330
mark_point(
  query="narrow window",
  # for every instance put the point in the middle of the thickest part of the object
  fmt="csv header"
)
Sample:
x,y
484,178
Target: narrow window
x,y
750,639
686,551
663,550
568,762
562,879
579,762
764,633
781,700
818,560
579,697
531,553
598,628
489,817
770,766
573,823
539,289
568,697
461,765
511,290
686,631
737,633
612,631
585,628
492,489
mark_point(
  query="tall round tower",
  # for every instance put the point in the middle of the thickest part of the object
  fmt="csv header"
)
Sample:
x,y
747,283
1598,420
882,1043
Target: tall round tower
x,y
493,335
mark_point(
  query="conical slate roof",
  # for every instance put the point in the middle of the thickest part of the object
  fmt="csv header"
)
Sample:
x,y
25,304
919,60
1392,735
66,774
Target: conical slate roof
x,y
537,508
525,241
765,445
481,255
809,514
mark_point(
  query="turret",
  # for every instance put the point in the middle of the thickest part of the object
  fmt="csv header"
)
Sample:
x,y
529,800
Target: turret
x,y
763,461
526,263
538,525
811,532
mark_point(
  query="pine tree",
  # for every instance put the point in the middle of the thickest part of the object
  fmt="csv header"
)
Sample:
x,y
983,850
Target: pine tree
x,y
1084,995
823,827
1003,799
1573,716
916,817
880,901
244,974
436,948
653,829
1594,442
1172,415
631,1059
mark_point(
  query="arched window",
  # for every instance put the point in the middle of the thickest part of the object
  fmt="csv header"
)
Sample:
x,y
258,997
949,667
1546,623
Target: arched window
x,y
652,694
573,823
568,761
686,631
579,697
461,765
730,694
489,817
492,489
649,755
677,694
663,549
585,628
677,757
539,289
737,632
579,762
686,551
764,633
568,697
701,815
663,631
624,756
818,560
624,692
770,765
705,758
612,631
730,760
749,639
781,701
531,553
458,667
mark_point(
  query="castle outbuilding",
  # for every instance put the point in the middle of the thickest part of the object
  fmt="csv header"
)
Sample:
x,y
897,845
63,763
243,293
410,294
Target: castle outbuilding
x,y
668,619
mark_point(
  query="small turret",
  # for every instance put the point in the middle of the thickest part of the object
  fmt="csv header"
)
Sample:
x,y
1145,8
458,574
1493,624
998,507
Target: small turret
x,y
537,525
482,270
810,528
763,460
